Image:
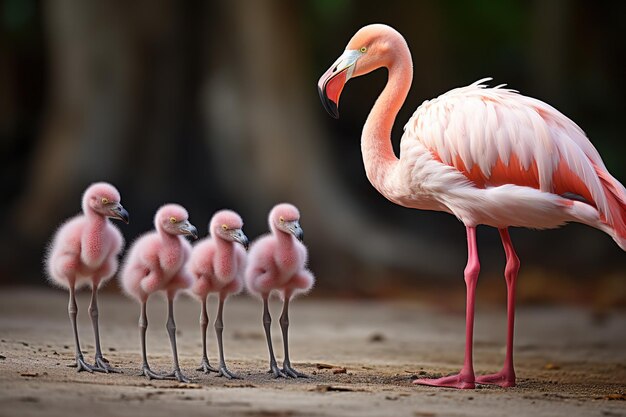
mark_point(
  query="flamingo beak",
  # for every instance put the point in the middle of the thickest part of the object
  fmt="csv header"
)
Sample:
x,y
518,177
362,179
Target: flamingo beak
x,y
239,236
189,229
332,82
296,230
119,212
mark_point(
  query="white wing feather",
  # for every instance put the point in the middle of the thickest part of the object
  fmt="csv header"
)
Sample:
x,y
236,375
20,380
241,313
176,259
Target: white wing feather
x,y
484,125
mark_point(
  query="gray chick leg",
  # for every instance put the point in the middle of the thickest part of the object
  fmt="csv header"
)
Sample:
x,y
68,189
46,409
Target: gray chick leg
x,y
143,326
205,366
102,364
72,310
219,328
267,324
284,325
171,330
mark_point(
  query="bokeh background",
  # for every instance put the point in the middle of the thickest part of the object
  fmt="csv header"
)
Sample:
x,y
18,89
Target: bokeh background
x,y
214,104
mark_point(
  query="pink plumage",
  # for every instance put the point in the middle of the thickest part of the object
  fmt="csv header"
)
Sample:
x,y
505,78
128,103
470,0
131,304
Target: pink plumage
x,y
84,250
156,260
277,263
217,264
488,156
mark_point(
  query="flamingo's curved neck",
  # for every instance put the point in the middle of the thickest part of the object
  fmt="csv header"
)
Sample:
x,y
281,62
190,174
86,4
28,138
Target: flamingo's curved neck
x,y
226,248
225,257
96,221
222,243
167,237
284,239
378,154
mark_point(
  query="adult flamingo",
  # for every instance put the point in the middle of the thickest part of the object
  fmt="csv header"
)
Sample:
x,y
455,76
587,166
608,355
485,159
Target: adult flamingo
x,y
486,155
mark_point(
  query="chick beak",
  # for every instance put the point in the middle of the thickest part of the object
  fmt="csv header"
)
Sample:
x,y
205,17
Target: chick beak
x,y
242,238
119,212
296,230
189,229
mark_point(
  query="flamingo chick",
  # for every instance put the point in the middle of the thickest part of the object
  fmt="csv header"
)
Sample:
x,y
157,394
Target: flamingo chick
x,y
217,264
486,155
85,250
156,262
277,262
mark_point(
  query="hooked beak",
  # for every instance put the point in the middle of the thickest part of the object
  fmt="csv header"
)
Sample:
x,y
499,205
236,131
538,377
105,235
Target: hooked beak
x,y
295,229
239,236
332,82
189,229
119,212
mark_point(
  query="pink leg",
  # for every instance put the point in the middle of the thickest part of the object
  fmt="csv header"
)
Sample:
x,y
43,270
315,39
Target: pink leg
x,y
465,378
506,377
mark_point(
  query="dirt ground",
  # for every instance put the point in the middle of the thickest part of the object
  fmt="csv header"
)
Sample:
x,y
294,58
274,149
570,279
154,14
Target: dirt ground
x,y
569,362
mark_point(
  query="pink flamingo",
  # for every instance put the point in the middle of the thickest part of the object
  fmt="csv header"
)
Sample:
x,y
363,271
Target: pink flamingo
x,y
217,266
486,155
156,262
85,248
277,262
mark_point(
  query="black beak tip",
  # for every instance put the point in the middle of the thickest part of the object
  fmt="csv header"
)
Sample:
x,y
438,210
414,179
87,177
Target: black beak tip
x,y
122,214
329,105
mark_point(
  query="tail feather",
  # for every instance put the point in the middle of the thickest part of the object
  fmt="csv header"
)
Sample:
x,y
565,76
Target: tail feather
x,y
616,197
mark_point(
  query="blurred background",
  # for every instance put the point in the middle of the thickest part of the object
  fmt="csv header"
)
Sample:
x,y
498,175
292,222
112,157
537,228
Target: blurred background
x,y
214,104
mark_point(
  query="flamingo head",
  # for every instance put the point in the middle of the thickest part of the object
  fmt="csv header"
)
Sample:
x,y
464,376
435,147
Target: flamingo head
x,y
286,218
104,199
372,47
227,225
173,220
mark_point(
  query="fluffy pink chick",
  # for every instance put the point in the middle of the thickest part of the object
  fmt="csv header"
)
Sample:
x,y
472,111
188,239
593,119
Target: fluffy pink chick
x,y
277,263
156,262
84,251
217,264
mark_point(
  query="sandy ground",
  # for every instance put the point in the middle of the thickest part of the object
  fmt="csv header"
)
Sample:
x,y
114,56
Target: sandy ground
x,y
569,361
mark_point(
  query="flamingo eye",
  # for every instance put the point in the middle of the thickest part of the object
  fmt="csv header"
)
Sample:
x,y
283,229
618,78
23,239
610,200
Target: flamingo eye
x,y
281,219
105,200
172,220
224,227
363,49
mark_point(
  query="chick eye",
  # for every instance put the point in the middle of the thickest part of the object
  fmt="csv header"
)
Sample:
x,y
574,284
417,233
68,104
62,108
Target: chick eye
x,y
224,227
363,49
105,200
172,219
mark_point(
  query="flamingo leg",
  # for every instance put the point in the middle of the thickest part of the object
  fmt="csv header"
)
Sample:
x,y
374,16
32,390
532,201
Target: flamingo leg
x,y
204,323
171,331
284,325
506,377
465,378
219,328
72,310
143,326
267,325
102,364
